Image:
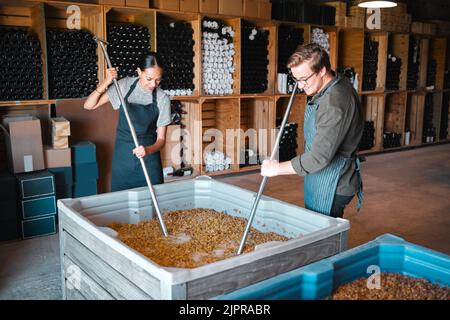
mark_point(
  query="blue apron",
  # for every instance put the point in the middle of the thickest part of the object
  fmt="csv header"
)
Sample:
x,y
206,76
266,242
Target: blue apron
x,y
320,187
126,168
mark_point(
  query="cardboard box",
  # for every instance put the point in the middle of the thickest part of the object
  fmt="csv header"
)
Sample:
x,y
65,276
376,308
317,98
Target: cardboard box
x,y
38,227
83,152
57,158
230,7
39,207
85,171
112,2
189,5
250,8
264,10
23,140
166,4
60,142
84,188
137,3
209,6
60,127
35,184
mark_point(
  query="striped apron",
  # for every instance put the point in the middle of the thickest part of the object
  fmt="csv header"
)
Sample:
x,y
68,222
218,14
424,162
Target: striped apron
x,y
320,187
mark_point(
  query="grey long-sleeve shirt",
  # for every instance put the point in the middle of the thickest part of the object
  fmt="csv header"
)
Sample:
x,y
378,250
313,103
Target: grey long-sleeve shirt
x,y
339,123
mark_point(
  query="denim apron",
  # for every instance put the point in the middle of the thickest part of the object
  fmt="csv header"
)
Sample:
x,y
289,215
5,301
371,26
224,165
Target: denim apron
x,y
320,187
126,167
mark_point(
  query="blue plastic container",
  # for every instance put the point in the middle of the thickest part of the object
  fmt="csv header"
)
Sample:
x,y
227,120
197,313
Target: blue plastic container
x,y
318,280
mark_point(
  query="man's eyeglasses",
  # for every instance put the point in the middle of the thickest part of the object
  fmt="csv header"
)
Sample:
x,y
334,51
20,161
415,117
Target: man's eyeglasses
x,y
304,80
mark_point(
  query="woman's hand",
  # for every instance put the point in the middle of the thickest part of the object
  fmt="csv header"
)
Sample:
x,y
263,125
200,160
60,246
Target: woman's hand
x,y
140,152
111,74
270,168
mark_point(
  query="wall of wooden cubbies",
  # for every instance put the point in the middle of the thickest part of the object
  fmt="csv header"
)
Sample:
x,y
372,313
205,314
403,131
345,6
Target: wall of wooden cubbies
x,y
389,110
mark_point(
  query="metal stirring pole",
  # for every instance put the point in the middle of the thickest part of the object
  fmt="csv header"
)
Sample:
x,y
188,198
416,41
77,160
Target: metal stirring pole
x,y
136,142
264,179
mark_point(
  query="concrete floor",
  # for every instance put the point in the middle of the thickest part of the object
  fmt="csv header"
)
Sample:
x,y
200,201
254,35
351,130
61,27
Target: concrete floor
x,y
406,193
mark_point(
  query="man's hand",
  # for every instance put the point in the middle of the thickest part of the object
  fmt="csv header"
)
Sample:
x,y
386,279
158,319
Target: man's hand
x,y
270,168
140,152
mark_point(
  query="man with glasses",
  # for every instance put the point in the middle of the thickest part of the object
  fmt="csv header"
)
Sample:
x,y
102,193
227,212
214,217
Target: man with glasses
x,y
333,128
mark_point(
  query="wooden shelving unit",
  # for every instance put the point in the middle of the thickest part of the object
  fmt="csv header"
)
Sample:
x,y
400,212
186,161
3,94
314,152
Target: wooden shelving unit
x,y
194,20
220,123
351,51
256,124
373,110
393,110
398,46
395,113
271,48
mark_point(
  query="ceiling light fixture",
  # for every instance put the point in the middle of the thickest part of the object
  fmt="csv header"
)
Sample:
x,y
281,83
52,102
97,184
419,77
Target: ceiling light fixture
x,y
377,4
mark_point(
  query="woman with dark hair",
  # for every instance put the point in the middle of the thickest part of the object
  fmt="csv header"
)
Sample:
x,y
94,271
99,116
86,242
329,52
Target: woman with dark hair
x,y
149,111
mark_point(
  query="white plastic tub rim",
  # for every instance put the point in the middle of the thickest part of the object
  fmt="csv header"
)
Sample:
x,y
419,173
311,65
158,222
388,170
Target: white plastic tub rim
x,y
77,210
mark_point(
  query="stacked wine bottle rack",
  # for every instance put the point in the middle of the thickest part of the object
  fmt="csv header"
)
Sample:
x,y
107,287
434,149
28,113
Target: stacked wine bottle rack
x,y
288,142
431,72
216,161
392,140
254,59
218,53
413,63
429,130
72,63
320,37
21,65
288,40
444,117
176,47
394,65
127,43
176,112
368,137
370,64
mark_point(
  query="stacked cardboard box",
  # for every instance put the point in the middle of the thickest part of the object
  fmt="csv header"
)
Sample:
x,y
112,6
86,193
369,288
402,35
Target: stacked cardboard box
x,y
173,5
424,28
37,203
60,133
443,27
8,207
231,7
85,169
354,19
264,9
23,139
250,8
137,3
395,19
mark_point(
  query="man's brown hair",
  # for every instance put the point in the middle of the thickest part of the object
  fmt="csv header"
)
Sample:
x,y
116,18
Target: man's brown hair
x,y
312,53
